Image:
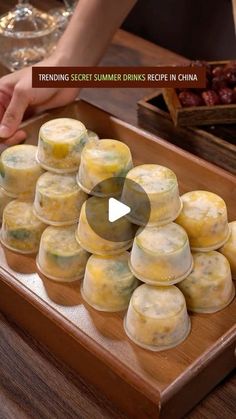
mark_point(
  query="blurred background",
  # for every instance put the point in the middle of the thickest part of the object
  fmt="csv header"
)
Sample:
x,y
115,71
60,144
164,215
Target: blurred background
x,y
202,29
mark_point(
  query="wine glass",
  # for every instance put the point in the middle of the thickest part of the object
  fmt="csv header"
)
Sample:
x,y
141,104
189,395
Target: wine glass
x,y
70,5
63,14
27,35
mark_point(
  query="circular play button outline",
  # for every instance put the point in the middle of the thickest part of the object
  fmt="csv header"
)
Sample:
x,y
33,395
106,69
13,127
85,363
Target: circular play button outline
x,y
114,218
116,210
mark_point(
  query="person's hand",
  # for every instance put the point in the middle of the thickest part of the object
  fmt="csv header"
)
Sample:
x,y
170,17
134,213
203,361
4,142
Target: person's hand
x,y
83,43
17,96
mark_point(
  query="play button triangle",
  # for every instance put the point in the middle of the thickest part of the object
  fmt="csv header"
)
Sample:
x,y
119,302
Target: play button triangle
x,y
116,210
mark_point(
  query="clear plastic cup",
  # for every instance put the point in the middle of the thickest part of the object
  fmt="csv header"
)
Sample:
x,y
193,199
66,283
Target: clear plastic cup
x,y
92,136
103,160
4,200
204,217
157,317
161,255
60,257
21,230
100,244
108,282
58,199
19,170
60,144
209,287
161,187
229,248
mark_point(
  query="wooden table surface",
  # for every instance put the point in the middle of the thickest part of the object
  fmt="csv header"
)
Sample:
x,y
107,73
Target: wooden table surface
x,y
33,384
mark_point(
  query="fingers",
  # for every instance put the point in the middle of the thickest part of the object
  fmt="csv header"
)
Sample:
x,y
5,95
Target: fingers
x,y
4,102
14,113
5,98
13,102
17,138
7,84
2,111
8,81
59,98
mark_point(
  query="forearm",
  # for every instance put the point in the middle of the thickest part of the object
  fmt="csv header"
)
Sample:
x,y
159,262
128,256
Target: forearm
x,y
90,30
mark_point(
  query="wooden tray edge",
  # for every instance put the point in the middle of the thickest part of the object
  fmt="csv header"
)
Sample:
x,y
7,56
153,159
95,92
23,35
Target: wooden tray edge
x,y
181,115
10,281
145,406
140,131
56,339
171,147
80,337
143,103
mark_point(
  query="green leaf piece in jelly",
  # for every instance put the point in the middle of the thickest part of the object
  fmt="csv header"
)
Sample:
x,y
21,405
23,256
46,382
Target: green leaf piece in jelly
x,y
20,234
2,171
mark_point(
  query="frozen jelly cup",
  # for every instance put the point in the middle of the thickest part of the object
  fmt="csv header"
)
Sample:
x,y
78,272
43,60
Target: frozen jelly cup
x,y
161,187
209,288
4,200
161,255
103,160
204,217
102,238
60,144
229,249
157,317
19,170
60,257
92,136
58,199
21,230
108,282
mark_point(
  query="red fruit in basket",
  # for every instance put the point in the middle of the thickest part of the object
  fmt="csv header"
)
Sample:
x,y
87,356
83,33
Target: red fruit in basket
x,y
218,82
210,98
188,99
226,95
217,71
208,67
230,73
199,63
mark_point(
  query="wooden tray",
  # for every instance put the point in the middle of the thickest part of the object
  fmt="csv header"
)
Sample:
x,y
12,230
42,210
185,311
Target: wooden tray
x,y
198,115
216,144
142,383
